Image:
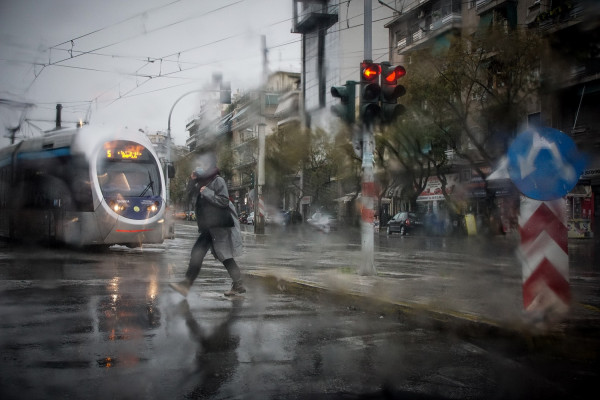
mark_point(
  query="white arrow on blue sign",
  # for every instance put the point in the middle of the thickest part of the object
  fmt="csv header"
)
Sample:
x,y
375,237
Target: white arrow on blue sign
x,y
544,163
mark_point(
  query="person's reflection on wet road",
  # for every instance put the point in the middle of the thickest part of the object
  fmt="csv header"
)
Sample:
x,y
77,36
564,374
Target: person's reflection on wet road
x,y
216,356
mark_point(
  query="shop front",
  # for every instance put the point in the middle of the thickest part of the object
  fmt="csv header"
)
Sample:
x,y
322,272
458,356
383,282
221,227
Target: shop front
x,y
580,211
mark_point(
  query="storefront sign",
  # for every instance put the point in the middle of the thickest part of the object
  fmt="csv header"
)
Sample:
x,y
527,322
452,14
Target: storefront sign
x,y
433,188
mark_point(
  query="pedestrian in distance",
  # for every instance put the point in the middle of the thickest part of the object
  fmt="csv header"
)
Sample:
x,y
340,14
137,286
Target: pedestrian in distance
x,y
218,226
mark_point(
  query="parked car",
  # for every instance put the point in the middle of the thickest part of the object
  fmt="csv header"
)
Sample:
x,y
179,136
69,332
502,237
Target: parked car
x,y
404,222
180,215
274,217
323,222
250,218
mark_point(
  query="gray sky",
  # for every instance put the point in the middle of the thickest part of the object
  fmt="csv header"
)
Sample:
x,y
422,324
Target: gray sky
x,y
131,60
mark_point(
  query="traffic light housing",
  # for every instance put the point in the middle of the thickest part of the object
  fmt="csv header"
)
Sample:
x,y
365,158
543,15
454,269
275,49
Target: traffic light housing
x,y
369,91
391,91
347,95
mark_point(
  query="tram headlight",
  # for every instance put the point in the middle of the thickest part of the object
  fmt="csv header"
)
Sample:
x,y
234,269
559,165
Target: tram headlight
x,y
153,207
116,207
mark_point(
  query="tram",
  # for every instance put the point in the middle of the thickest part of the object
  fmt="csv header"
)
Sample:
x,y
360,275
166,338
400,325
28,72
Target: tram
x,y
83,186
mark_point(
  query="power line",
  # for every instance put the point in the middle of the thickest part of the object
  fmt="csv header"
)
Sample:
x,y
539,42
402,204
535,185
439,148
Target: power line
x,y
114,24
147,61
146,32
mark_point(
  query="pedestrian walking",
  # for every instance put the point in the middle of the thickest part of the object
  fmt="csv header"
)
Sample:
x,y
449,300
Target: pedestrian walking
x,y
218,226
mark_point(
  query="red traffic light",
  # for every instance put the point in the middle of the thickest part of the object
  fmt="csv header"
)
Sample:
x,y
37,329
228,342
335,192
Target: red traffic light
x,y
393,74
370,71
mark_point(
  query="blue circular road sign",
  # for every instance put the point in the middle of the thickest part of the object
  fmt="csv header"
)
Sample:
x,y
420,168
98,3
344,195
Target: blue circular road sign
x,y
544,163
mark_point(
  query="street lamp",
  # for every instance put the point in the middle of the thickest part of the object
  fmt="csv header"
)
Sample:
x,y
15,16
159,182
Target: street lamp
x,y
223,90
169,137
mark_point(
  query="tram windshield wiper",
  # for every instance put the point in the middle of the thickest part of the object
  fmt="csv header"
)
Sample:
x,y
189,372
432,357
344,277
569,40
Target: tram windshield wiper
x,y
150,185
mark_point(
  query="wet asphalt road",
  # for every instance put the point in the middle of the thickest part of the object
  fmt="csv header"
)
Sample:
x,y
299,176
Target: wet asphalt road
x,y
85,325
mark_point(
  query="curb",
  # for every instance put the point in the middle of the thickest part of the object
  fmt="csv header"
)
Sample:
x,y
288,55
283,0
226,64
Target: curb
x,y
450,321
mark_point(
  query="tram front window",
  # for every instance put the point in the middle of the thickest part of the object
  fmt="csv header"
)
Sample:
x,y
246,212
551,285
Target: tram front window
x,y
129,180
125,176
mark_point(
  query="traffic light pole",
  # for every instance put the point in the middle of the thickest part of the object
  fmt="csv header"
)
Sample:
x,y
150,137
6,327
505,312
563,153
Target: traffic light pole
x,y
367,204
368,183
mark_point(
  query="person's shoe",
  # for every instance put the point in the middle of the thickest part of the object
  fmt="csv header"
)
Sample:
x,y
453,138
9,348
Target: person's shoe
x,y
182,287
236,289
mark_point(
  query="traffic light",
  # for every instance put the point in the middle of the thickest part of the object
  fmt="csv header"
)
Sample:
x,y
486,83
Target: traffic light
x,y
391,91
347,95
369,91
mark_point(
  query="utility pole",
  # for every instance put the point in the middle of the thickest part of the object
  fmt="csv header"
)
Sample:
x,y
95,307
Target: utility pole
x,y
259,204
368,185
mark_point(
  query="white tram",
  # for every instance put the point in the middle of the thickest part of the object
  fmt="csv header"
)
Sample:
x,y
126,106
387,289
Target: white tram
x,y
83,186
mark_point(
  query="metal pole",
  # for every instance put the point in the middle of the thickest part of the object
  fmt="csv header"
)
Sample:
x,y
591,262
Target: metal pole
x,y
368,54
169,131
368,185
259,216
169,139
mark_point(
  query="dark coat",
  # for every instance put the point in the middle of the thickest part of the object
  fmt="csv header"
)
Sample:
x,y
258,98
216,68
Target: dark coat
x,y
226,242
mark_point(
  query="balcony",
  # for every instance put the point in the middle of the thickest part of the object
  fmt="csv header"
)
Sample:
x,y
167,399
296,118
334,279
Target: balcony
x,y
313,15
435,29
555,17
483,6
245,137
447,21
244,162
418,35
401,44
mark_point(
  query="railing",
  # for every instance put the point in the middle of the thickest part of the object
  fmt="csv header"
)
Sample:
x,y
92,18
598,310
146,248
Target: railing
x,y
245,138
446,20
569,11
418,35
481,3
244,162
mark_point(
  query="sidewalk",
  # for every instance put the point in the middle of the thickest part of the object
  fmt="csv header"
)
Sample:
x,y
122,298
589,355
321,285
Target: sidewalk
x,y
484,294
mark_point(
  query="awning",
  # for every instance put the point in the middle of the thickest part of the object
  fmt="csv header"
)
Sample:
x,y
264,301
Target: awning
x,y
395,191
348,197
501,171
286,107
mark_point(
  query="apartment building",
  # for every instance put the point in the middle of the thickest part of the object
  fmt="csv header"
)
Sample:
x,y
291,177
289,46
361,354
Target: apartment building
x,y
273,107
569,71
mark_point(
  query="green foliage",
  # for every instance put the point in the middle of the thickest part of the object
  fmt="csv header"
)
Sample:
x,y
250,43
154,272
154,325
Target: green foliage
x,y
177,188
315,155
477,91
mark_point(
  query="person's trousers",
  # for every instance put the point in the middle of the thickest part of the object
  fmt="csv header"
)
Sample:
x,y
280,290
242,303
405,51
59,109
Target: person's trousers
x,y
201,247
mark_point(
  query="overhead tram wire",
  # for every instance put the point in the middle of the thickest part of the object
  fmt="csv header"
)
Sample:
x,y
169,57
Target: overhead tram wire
x,y
168,75
166,58
115,24
89,34
136,35
127,95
